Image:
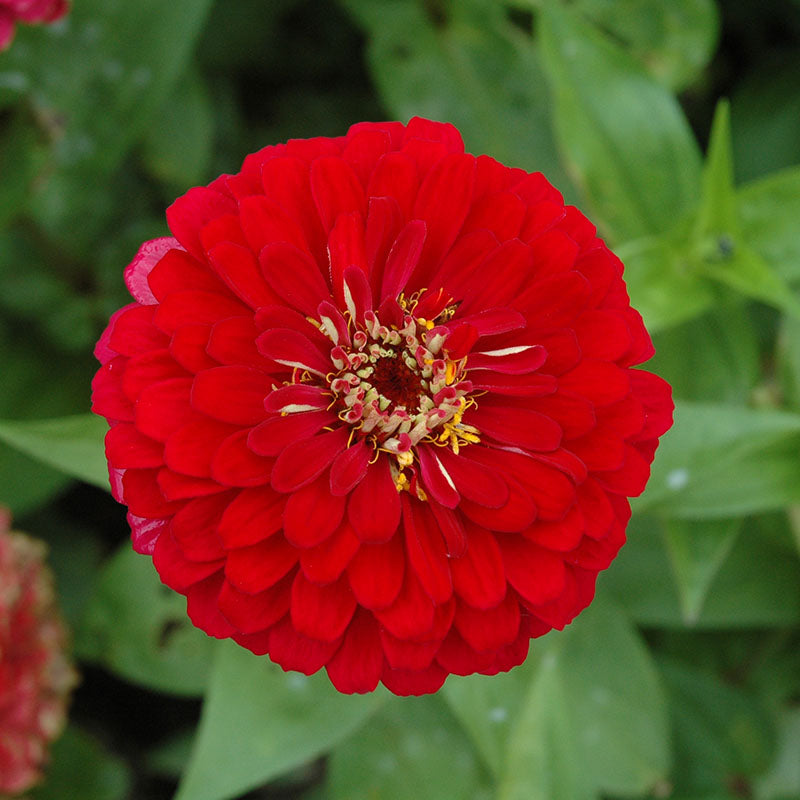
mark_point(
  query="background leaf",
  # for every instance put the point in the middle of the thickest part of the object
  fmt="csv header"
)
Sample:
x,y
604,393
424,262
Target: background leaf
x,y
259,722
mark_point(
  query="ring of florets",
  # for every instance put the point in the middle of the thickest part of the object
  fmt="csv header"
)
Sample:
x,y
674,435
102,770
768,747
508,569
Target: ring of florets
x,y
396,386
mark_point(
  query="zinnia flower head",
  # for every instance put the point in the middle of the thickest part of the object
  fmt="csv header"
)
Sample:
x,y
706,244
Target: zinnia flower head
x,y
35,673
374,407
30,11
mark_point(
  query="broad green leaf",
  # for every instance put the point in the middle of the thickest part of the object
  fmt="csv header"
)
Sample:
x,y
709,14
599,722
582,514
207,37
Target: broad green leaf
x,y
623,134
725,369
662,283
673,41
718,729
782,780
259,722
138,628
697,550
719,461
595,717
740,596
486,707
543,758
82,768
471,68
178,151
769,209
412,749
73,445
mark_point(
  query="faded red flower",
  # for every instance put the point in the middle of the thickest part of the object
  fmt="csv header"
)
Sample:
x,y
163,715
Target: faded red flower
x,y
373,408
13,11
35,674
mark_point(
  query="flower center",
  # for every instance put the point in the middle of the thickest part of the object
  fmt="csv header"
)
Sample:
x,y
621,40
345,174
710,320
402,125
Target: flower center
x,y
395,383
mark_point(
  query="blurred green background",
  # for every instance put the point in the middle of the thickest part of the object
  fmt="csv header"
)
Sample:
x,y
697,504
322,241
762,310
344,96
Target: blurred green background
x,y
675,124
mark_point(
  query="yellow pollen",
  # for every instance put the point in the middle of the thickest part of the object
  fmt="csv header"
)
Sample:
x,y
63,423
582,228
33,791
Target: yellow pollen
x,y
450,374
405,459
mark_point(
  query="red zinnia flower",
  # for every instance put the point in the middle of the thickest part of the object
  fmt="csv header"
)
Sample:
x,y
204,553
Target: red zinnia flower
x,y
35,674
12,11
373,408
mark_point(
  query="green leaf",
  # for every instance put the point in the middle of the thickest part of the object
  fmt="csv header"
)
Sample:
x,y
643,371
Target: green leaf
x,y
697,550
470,67
725,369
783,778
412,749
673,41
259,722
21,156
719,729
769,209
723,254
662,284
486,707
719,461
738,597
595,717
81,767
73,445
624,135
138,628
178,151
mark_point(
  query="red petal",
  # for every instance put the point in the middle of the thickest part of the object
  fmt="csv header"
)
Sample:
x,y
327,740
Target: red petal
x,y
133,331
656,397
411,614
143,496
202,608
452,529
178,271
251,613
374,506
312,514
126,448
296,398
336,190
136,273
478,576
190,449
238,267
575,415
601,382
173,568
252,516
514,385
292,349
510,360
520,427
234,464
554,302
395,176
189,213
232,342
274,434
164,407
436,478
357,293
537,574
293,651
326,561
346,247
149,368
493,321
357,665
426,551
403,259
294,276
264,221
254,569
515,514
349,468
406,682
363,149
501,213
402,654
490,628
474,481
188,347
443,202
231,394
195,527
321,612
175,486
376,573
301,462
602,335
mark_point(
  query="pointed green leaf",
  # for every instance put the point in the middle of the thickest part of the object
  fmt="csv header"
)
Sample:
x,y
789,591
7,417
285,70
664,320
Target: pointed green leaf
x,y
718,210
73,445
624,135
594,720
697,550
138,628
259,722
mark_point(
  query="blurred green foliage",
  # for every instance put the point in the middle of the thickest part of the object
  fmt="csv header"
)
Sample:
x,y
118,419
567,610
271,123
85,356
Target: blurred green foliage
x,y
683,680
